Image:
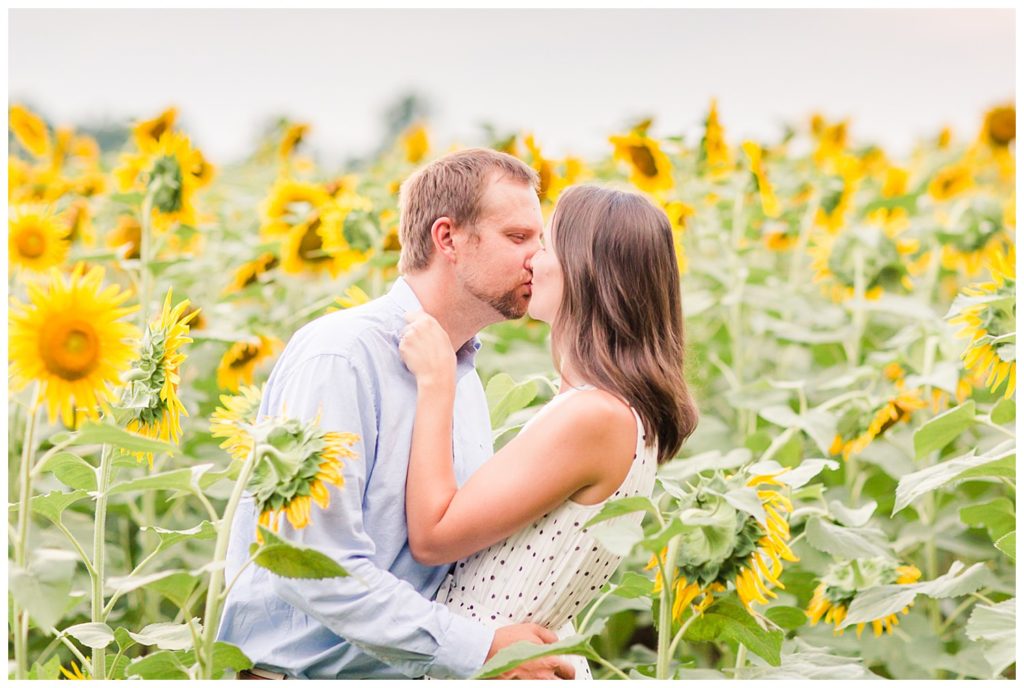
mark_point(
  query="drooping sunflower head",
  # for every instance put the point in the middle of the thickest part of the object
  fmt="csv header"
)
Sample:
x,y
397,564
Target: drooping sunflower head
x,y
988,315
950,181
296,462
715,157
887,262
253,272
975,239
150,399
865,421
650,168
30,131
238,364
169,171
126,236
844,580
1000,127
147,133
289,203
37,239
234,419
72,339
769,201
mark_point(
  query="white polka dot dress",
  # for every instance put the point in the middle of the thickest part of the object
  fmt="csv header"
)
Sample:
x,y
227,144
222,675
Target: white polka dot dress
x,y
552,569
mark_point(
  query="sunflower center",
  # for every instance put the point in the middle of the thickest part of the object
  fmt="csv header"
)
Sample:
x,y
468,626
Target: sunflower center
x,y
31,242
244,356
643,160
69,348
165,181
311,246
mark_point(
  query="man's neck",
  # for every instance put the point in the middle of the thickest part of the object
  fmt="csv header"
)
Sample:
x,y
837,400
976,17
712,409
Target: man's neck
x,y
461,315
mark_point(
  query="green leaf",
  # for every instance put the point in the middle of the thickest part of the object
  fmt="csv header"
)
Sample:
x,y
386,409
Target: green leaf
x,y
47,672
618,507
1005,411
1008,545
53,504
995,627
681,470
108,433
177,479
177,587
996,462
809,662
727,621
853,518
523,651
292,561
618,537
123,584
133,198
848,543
95,635
943,429
745,499
786,617
166,636
159,665
505,397
996,516
204,531
796,477
228,657
72,470
124,640
633,585
44,587
880,602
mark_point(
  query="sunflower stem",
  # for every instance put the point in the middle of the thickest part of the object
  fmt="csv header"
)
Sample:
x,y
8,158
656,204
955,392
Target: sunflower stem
x,y
679,635
214,599
24,522
859,310
98,555
801,242
668,577
741,659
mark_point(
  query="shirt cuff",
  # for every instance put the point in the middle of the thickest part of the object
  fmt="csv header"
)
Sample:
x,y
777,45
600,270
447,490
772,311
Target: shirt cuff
x,y
463,651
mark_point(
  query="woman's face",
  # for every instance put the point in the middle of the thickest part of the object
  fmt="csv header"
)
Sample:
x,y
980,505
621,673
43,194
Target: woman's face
x,y
547,280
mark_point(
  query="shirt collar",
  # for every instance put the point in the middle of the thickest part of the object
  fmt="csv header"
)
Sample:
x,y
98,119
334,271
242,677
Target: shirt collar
x,y
405,298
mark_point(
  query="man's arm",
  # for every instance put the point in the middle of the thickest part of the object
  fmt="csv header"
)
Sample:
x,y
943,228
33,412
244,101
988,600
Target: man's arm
x,y
372,609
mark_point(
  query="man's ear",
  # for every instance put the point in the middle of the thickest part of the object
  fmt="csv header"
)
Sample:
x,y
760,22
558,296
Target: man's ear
x,y
444,243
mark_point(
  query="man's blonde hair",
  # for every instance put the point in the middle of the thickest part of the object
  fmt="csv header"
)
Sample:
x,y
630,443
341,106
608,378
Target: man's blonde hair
x,y
451,186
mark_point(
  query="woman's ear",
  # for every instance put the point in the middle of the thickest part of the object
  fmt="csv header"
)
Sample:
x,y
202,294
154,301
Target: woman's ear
x,y
441,233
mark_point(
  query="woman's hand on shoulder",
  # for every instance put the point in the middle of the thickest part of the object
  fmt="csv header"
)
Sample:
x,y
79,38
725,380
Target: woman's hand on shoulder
x,y
427,350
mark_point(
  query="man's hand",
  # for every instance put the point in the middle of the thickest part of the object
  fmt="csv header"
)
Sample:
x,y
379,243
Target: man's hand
x,y
542,668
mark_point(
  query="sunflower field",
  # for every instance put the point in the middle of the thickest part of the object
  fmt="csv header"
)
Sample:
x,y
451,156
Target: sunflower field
x,y
846,508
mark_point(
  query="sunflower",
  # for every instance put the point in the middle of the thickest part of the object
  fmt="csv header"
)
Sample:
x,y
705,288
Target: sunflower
x,y
233,419
147,133
889,261
544,167
150,397
715,156
845,579
769,202
832,140
987,312
977,238
78,220
37,239
71,339
30,131
415,143
290,140
1000,127
319,244
354,296
127,237
289,203
944,138
295,463
750,553
75,674
950,181
251,272
860,426
167,170
837,198
238,364
650,168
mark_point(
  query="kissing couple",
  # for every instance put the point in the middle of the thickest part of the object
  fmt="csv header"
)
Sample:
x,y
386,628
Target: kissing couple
x,y
456,551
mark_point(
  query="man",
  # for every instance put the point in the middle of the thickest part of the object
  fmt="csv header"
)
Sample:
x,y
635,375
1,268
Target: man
x,y
470,222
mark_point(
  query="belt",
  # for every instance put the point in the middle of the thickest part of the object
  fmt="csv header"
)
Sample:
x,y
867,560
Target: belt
x,y
260,674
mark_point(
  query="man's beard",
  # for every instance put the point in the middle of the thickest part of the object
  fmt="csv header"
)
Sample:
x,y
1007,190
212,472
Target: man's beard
x,y
510,304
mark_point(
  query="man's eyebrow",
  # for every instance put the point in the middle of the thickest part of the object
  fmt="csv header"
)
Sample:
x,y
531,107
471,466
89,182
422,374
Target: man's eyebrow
x,y
517,228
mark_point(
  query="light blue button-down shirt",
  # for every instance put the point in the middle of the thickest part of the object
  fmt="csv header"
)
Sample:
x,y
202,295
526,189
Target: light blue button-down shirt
x,y
380,622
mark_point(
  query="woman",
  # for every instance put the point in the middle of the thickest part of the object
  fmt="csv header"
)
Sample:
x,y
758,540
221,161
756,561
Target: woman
x,y
608,283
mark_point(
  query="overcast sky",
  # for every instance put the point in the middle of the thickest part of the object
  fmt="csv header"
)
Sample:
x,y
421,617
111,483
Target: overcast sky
x,y
571,76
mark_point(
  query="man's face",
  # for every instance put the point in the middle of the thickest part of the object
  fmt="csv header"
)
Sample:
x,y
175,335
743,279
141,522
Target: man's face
x,y
493,262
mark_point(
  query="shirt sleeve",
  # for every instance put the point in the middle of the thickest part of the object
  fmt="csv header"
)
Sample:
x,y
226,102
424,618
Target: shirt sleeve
x,y
382,615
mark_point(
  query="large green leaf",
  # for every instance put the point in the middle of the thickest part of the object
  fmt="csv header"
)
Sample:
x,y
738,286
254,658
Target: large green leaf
x,y
53,504
996,516
108,433
796,477
505,397
996,462
43,589
726,620
786,617
177,587
633,585
995,627
809,662
1005,411
163,664
123,584
204,531
523,651
181,479
95,634
72,470
618,537
50,671
943,429
880,602
847,543
293,561
618,507
166,636
681,470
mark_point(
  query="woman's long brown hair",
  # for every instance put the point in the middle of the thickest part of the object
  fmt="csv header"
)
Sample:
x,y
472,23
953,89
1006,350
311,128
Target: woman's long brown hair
x,y
620,322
